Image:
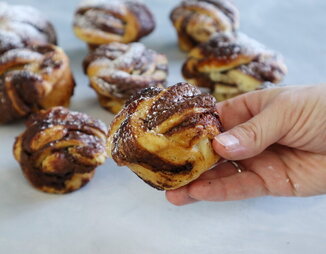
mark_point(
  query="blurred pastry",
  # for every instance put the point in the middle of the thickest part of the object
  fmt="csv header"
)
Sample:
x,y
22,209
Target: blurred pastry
x,y
164,135
231,65
24,25
196,21
33,78
102,21
60,149
117,71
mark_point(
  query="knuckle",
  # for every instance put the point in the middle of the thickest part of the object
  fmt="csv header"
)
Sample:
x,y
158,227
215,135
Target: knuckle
x,y
250,131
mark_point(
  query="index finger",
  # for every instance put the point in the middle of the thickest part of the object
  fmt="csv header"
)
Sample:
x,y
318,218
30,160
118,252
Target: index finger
x,y
240,109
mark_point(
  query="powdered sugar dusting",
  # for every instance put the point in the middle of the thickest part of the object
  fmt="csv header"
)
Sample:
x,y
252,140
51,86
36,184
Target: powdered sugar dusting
x,y
21,54
134,53
124,69
26,22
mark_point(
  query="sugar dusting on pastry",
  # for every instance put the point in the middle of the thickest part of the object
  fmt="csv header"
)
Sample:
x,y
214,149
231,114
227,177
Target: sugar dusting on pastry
x,y
164,135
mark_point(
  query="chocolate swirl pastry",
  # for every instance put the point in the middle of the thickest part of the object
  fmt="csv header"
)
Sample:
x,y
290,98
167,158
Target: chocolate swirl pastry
x,y
196,21
231,65
33,78
24,26
60,149
102,21
117,71
164,135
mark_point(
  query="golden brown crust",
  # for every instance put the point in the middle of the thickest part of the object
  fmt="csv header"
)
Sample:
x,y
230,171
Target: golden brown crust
x,y
60,149
164,135
23,26
196,21
102,22
230,65
33,78
117,71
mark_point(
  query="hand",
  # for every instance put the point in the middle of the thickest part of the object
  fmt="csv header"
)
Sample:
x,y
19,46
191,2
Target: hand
x,y
278,137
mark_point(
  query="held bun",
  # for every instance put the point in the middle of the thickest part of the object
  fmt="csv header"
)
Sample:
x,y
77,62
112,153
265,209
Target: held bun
x,y
164,135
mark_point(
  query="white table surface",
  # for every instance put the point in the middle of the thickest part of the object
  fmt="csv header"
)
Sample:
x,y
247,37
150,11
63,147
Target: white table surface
x,y
117,213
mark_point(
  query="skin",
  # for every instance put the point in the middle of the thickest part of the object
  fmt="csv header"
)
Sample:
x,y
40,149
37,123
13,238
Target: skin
x,y
277,137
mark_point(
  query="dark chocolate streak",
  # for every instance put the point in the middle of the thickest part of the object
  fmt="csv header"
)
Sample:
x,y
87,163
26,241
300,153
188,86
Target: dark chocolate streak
x,y
205,119
267,69
145,93
140,11
60,116
47,30
7,112
170,101
106,20
123,86
223,46
133,153
76,128
177,99
145,17
126,87
264,65
125,145
32,18
27,87
202,79
227,7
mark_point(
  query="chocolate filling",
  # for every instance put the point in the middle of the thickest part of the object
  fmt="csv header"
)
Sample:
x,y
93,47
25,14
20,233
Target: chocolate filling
x,y
77,127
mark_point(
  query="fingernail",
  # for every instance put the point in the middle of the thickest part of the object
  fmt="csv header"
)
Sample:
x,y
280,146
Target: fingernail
x,y
227,140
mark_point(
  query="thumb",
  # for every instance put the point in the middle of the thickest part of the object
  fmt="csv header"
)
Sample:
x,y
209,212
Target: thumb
x,y
252,137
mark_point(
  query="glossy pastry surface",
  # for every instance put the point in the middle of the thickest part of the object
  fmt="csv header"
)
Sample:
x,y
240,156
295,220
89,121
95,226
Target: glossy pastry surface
x,y
60,149
117,71
24,25
33,78
164,135
196,21
233,64
103,21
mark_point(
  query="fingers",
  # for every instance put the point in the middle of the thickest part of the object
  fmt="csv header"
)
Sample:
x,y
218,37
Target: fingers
x,y
271,168
265,174
236,187
223,170
253,136
242,108
181,196
218,184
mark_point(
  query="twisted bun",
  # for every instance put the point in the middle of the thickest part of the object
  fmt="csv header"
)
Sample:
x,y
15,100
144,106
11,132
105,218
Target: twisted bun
x,y
33,78
196,21
230,65
117,71
101,22
60,149
164,135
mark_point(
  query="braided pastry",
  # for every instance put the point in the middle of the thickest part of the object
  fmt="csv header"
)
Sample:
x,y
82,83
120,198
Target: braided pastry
x,y
60,149
164,135
33,78
117,71
196,21
24,25
230,65
101,21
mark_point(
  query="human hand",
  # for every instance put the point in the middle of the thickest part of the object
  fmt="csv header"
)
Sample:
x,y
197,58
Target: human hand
x,y
277,136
